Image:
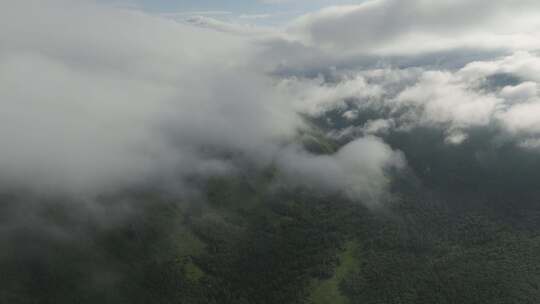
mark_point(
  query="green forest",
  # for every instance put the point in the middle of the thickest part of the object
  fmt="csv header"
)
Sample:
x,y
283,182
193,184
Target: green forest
x,y
251,239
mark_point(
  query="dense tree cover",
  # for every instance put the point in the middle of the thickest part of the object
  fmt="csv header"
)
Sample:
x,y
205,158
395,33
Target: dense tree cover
x,y
447,235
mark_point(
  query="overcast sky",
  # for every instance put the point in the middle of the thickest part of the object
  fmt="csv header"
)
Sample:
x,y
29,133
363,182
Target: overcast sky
x,y
265,12
234,6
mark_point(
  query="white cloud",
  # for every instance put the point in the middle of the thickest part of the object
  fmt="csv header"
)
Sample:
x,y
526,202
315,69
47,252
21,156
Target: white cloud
x,y
521,92
359,169
443,98
455,101
119,96
522,118
523,64
405,26
313,96
229,27
95,98
378,126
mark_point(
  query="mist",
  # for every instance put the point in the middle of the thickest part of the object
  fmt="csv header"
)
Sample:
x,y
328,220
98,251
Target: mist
x,y
132,140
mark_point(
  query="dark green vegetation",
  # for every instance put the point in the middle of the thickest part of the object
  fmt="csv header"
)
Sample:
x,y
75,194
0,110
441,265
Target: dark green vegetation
x,y
459,229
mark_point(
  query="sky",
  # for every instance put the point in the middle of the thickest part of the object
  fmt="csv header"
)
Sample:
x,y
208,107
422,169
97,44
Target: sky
x,y
265,12
235,6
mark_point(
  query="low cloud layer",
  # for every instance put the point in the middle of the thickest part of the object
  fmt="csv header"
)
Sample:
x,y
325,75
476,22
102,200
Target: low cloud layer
x,y
120,97
359,169
501,94
413,25
96,98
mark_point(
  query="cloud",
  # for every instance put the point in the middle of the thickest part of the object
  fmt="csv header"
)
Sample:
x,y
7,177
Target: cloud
x,y
229,27
523,64
442,98
90,105
97,100
255,16
314,96
403,26
120,98
360,169
500,94
465,99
